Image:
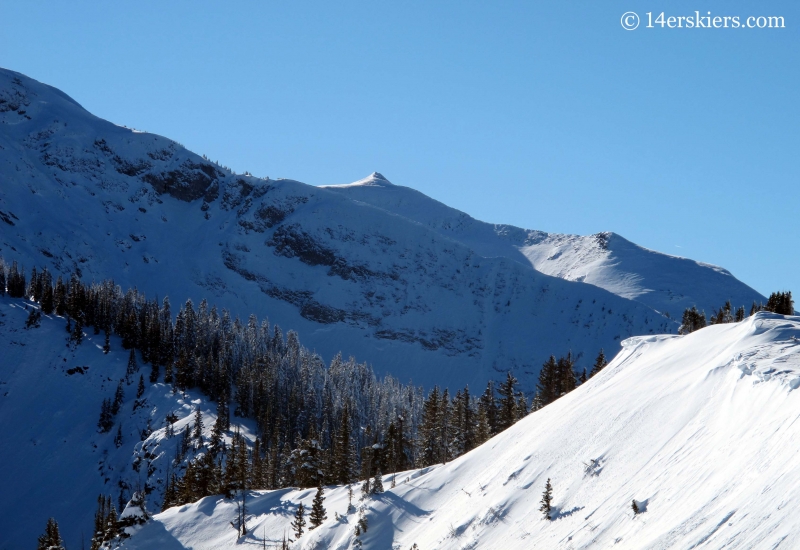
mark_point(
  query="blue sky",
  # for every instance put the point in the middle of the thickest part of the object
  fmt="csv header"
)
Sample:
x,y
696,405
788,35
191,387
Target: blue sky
x,y
541,114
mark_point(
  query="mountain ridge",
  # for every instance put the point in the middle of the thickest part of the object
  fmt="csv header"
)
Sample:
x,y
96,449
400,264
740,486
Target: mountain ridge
x,y
699,430
419,290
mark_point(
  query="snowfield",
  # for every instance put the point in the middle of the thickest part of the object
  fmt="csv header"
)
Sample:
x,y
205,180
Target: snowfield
x,y
701,430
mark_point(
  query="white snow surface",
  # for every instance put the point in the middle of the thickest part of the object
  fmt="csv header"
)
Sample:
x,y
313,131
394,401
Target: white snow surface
x,y
374,270
701,430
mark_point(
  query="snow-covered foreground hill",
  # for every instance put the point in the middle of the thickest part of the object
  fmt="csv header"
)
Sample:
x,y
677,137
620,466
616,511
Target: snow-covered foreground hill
x,y
701,430
374,270
54,462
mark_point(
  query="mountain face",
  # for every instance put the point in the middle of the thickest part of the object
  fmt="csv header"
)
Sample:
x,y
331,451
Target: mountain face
x,y
375,270
54,461
699,430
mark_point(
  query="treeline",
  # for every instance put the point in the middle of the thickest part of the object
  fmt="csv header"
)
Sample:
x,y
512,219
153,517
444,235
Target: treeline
x,y
778,302
316,423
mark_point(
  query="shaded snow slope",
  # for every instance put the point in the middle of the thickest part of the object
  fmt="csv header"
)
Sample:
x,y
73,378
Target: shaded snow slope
x,y
54,462
375,270
701,430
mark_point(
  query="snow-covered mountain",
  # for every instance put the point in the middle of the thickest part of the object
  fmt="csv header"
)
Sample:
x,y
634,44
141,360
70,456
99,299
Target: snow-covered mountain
x,y
668,284
375,270
700,430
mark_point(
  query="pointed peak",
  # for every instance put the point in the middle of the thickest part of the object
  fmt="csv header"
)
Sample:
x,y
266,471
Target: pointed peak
x,y
375,179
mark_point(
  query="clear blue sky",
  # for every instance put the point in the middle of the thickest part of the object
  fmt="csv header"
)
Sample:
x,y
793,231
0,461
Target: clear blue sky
x,y
541,114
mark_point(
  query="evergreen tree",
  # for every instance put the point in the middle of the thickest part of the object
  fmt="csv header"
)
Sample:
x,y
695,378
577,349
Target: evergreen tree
x,y
118,437
77,332
135,513
489,405
566,375
119,398
599,363
547,499
112,525
317,510
60,297
51,538
106,417
140,387
100,521
377,483
16,281
508,402
299,521
548,385
48,299
198,426
635,507
780,302
692,320
107,343
429,434
133,367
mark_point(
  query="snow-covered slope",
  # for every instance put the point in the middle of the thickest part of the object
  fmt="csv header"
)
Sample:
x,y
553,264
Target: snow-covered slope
x,y
701,430
668,284
54,463
377,271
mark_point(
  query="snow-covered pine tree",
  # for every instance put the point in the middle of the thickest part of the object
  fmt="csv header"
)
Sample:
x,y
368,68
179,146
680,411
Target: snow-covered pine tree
x,y
100,521
112,525
547,499
51,538
134,514
317,515
634,507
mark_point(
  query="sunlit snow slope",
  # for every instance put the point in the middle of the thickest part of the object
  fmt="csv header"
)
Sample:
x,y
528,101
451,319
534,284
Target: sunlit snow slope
x,y
374,270
701,430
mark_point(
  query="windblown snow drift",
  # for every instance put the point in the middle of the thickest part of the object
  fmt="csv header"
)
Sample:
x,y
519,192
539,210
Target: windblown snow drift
x,y
700,430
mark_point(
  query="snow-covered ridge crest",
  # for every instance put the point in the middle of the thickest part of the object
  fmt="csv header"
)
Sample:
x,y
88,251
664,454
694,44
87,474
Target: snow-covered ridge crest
x,y
706,451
